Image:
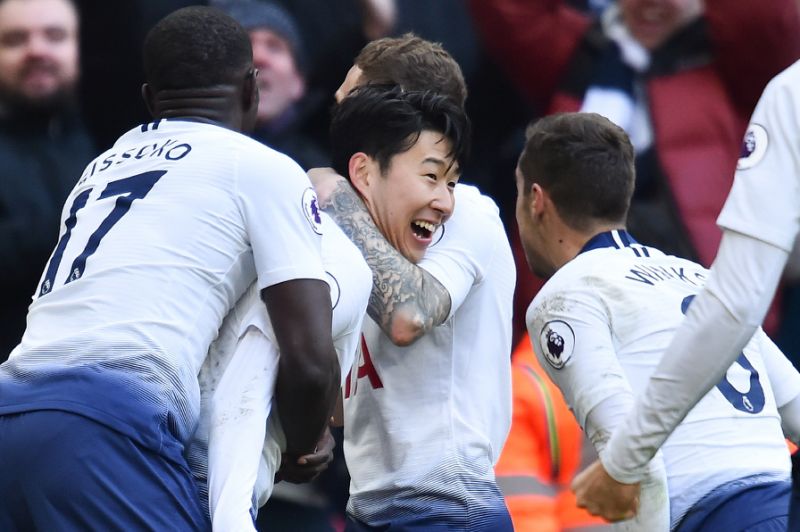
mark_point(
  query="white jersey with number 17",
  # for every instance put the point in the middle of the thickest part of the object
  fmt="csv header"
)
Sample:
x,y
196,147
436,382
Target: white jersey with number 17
x,y
160,237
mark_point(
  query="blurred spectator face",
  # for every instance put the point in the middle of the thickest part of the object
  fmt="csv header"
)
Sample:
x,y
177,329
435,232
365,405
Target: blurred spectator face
x,y
279,81
651,22
38,51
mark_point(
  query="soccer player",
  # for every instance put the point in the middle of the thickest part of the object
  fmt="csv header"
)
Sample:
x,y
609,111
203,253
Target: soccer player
x,y
428,405
237,447
160,237
403,116
760,222
611,305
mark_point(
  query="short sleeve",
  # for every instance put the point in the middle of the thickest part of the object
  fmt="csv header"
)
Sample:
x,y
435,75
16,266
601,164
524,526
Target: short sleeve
x,y
281,217
571,336
764,202
466,246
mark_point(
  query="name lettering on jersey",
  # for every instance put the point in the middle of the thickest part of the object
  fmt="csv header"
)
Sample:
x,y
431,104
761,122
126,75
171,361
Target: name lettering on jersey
x,y
648,274
754,146
364,368
558,342
169,150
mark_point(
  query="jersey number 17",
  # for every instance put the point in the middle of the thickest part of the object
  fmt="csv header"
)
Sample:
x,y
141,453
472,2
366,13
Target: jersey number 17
x,y
128,190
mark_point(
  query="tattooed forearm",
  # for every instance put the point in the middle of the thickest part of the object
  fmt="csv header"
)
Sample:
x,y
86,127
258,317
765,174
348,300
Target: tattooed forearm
x,y
406,301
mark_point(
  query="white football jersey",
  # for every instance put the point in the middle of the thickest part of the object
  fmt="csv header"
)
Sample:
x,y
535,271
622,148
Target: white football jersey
x,y
160,237
600,326
236,449
424,424
764,201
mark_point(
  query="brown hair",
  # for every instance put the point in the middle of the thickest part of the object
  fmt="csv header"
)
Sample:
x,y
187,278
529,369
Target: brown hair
x,y
413,64
585,162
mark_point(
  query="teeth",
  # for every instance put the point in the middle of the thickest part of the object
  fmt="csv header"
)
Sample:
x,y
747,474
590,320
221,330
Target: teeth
x,y
425,225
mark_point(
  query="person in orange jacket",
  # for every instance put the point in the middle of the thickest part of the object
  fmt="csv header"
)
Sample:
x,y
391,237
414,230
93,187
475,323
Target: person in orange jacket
x,y
544,451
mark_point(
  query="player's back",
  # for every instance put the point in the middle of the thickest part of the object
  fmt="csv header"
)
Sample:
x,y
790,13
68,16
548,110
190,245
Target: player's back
x,y
641,294
155,247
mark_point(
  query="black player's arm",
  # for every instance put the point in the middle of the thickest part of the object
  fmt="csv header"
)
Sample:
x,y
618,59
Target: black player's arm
x,y
406,301
308,369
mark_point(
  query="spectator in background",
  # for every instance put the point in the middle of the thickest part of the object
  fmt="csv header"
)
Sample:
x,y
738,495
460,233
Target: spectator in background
x,y
112,35
43,145
681,77
279,56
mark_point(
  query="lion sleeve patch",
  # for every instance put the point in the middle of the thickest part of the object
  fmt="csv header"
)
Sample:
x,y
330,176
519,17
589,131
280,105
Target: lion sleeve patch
x,y
558,342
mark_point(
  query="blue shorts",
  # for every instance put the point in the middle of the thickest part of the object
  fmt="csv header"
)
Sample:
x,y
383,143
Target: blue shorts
x,y
62,471
741,506
497,520
794,507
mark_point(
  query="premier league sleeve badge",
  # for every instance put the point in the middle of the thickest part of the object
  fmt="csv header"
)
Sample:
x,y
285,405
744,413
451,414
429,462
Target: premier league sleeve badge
x,y
558,342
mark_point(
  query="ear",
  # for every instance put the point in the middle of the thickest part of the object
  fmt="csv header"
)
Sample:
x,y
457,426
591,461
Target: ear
x,y
250,91
149,97
359,169
538,200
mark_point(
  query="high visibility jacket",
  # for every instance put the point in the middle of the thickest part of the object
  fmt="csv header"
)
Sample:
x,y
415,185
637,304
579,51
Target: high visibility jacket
x,y
544,451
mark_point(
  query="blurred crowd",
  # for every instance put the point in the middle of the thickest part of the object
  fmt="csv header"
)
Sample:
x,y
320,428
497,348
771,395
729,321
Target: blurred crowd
x,y
680,76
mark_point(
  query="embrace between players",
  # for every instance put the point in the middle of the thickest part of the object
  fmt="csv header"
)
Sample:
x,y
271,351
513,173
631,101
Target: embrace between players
x,y
153,340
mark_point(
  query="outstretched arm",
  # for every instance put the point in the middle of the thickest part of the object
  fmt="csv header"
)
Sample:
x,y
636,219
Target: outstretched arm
x,y
406,301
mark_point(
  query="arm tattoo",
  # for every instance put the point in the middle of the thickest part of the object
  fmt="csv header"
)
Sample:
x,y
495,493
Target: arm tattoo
x,y
398,285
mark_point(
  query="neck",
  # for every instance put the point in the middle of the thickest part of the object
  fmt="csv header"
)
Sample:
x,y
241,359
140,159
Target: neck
x,y
571,241
213,105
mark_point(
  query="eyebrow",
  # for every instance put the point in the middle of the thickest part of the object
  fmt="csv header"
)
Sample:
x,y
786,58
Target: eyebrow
x,y
434,160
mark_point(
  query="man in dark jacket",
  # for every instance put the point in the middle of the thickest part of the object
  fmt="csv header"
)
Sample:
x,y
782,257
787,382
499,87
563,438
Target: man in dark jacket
x,y
43,145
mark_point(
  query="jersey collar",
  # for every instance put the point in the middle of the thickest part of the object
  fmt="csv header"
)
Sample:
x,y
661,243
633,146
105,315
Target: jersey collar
x,y
616,238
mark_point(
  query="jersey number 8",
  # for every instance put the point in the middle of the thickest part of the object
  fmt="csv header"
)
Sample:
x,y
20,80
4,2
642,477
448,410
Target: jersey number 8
x,y
752,401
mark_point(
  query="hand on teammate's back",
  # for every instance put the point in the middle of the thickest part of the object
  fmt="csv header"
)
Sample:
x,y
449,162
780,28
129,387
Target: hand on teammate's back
x,y
597,492
306,468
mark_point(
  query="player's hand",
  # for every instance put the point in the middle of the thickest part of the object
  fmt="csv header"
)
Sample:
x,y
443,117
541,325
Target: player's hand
x,y
325,181
597,492
306,468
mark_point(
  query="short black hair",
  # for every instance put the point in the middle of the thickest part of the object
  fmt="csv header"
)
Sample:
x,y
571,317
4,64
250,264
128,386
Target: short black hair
x,y
196,47
585,162
383,121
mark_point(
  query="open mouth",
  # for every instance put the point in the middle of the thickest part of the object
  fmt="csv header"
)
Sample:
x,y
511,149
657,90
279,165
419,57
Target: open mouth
x,y
422,229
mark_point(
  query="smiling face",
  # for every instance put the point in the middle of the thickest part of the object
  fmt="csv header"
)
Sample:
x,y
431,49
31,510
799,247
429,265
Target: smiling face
x,y
651,22
38,49
413,196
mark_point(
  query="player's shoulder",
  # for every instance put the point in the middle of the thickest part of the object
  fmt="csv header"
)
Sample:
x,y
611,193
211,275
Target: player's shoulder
x,y
475,218
474,201
576,280
789,77
780,96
